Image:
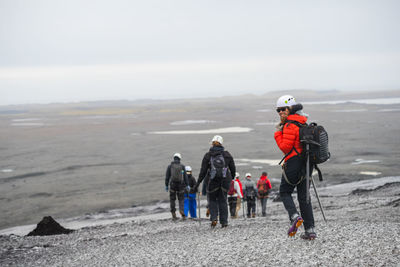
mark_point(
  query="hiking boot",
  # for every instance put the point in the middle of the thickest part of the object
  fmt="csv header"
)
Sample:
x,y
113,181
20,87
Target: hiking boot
x,y
208,212
297,221
173,215
183,215
213,224
253,215
224,225
309,234
248,216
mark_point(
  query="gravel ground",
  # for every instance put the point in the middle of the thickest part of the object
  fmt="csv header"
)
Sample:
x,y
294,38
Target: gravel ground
x,y
362,229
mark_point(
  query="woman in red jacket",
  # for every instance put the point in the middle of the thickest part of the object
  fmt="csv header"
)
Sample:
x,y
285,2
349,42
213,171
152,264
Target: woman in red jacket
x,y
287,139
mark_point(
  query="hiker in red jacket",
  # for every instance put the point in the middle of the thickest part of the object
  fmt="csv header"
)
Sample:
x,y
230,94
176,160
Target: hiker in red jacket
x,y
264,187
287,138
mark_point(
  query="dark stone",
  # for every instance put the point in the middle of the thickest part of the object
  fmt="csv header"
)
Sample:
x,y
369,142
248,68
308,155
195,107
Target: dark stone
x,y
48,226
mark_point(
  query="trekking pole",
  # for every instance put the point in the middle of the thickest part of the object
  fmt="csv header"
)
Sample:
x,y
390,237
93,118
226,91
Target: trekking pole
x,y
319,202
257,206
198,206
308,173
243,207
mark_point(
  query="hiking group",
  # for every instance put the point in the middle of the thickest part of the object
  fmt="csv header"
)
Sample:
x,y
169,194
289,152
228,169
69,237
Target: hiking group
x,y
223,187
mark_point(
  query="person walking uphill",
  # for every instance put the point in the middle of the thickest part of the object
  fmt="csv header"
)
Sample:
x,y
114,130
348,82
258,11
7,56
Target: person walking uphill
x,y
294,168
190,196
234,195
176,181
263,188
218,165
250,194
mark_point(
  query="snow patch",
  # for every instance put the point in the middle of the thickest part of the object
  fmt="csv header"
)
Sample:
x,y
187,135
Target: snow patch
x,y
7,170
210,131
188,122
351,110
375,101
271,162
389,110
370,173
27,124
363,161
27,119
264,110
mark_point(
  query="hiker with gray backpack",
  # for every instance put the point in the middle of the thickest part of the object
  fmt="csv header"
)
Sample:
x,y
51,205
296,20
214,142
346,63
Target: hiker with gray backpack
x,y
176,181
219,167
293,137
250,195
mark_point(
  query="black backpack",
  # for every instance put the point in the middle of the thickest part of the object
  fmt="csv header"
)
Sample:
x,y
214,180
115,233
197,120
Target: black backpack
x,y
176,173
218,168
317,138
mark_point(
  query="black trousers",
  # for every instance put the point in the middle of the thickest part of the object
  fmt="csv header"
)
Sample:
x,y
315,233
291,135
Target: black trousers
x,y
251,206
232,205
294,169
218,206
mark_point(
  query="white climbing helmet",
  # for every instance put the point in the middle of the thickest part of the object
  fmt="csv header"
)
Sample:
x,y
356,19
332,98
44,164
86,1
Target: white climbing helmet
x,y
248,174
178,155
217,138
237,175
285,101
188,168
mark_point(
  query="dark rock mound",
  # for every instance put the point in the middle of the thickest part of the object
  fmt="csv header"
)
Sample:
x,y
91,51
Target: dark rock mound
x,y
48,226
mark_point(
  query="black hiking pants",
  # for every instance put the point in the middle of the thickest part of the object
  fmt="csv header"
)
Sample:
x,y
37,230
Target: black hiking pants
x,y
251,206
177,191
218,206
232,205
294,169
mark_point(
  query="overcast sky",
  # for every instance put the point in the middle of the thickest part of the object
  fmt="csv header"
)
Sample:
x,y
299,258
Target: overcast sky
x,y
77,50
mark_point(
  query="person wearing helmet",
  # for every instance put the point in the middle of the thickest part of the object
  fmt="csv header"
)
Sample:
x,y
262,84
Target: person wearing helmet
x,y
250,194
218,165
287,139
175,181
190,204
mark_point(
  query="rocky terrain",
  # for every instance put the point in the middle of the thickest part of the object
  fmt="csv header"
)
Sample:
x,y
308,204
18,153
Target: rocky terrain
x,y
362,229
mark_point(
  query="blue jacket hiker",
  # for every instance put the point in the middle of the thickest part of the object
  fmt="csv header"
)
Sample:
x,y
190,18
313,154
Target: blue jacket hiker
x,y
190,196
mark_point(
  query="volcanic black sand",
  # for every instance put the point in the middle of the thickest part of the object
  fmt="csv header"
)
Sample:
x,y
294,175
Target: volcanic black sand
x,y
66,160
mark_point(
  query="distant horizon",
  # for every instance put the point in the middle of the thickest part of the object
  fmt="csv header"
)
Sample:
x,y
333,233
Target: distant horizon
x,y
155,99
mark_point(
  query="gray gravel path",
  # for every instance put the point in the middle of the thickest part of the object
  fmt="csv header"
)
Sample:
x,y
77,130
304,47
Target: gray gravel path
x,y
362,230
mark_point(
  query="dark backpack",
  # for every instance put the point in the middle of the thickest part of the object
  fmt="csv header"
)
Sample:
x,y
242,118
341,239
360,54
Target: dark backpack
x,y
176,173
250,192
317,138
218,168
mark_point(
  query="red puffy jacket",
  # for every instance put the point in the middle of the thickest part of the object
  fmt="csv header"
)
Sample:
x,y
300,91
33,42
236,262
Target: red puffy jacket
x,y
289,136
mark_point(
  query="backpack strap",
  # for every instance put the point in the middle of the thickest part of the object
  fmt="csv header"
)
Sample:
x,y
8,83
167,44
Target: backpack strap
x,y
287,180
298,124
319,172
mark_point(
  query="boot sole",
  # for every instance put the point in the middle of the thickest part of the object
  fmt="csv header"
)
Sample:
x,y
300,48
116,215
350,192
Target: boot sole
x,y
298,224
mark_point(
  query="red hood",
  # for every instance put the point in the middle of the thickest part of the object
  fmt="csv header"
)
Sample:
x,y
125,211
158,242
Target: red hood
x,y
297,117
263,177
